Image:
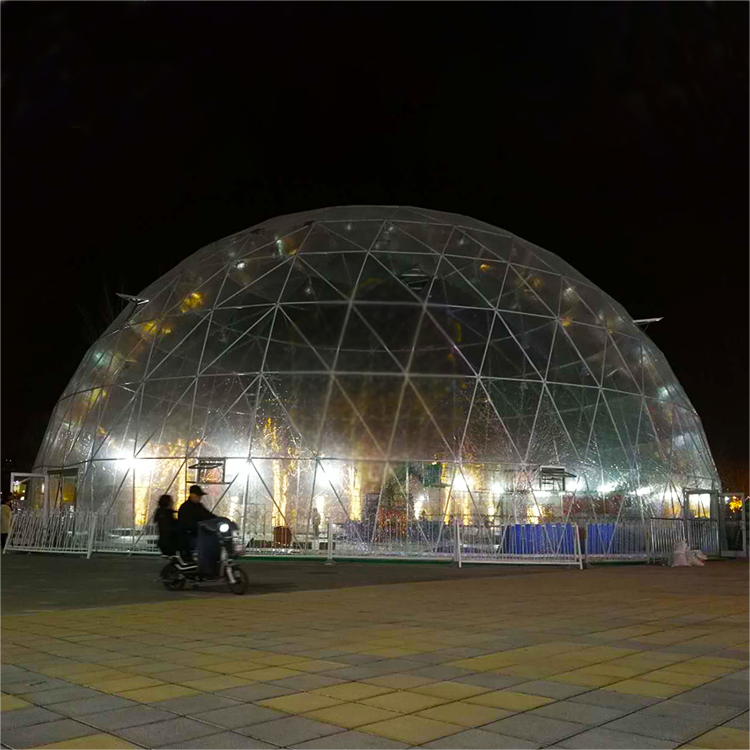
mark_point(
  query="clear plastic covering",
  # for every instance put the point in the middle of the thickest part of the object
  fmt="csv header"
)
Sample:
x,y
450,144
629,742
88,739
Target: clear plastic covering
x,y
306,362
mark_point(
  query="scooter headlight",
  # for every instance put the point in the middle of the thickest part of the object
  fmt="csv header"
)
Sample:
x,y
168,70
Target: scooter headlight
x,y
223,528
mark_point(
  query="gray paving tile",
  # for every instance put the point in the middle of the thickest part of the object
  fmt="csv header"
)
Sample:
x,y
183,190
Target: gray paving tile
x,y
239,716
290,731
613,699
171,731
132,716
259,692
466,652
222,741
580,713
713,697
489,680
534,728
677,728
36,683
740,722
26,717
478,739
11,673
45,734
557,690
92,705
431,658
606,739
308,682
352,741
60,695
194,704
360,672
704,711
731,684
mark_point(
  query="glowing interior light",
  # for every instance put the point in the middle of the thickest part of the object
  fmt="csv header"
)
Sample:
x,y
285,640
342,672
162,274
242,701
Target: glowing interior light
x,y
542,493
460,483
604,488
484,267
238,467
643,491
193,301
496,487
241,264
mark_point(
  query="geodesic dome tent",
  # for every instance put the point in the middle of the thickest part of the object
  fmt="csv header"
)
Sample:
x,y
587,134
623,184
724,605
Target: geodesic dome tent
x,y
366,360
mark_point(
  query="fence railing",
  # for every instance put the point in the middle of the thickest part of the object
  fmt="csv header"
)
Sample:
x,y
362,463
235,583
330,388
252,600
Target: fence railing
x,y
621,540
461,539
58,531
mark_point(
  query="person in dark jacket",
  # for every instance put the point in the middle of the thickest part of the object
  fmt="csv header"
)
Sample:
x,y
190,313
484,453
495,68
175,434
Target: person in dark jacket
x,y
191,513
167,523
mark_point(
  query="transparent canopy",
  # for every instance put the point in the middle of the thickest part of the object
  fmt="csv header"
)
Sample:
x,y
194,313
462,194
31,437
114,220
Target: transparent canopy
x,y
340,359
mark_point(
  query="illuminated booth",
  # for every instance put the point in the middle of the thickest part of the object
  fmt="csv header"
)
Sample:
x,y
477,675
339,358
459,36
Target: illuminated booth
x,y
376,366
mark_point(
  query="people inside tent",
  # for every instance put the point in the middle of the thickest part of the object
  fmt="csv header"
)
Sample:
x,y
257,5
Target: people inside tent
x,y
164,518
191,513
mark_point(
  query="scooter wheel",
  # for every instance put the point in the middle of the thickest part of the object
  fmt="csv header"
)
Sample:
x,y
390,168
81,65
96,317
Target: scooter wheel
x,y
239,586
172,579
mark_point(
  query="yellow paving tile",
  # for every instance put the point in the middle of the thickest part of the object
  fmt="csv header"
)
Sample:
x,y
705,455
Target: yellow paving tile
x,y
125,661
391,652
510,700
268,674
351,691
278,660
669,677
720,661
86,678
159,693
233,667
181,676
217,682
300,703
413,730
92,742
465,713
398,682
197,660
451,691
316,665
691,667
350,715
153,668
532,671
128,683
644,687
404,701
12,703
723,737
611,670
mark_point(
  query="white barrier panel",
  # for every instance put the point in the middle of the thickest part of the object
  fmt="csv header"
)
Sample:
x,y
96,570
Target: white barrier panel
x,y
60,531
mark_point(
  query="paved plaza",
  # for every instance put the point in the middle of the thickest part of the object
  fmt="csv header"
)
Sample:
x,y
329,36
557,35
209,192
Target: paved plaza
x,y
612,657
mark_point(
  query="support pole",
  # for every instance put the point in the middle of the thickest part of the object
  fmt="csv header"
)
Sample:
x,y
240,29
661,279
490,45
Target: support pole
x,y
457,541
92,533
329,551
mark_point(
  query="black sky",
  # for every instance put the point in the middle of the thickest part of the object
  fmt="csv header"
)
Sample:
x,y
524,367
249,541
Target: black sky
x,y
612,134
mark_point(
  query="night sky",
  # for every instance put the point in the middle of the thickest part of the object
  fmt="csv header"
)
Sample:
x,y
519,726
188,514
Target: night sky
x,y
612,134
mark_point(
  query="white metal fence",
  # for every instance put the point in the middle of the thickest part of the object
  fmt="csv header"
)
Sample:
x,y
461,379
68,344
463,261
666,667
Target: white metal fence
x,y
60,531
462,540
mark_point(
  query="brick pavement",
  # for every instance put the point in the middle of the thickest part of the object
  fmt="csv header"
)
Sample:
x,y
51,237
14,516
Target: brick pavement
x,y
624,657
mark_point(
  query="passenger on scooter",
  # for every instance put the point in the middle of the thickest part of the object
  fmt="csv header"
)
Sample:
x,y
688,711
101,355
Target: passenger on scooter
x,y
169,539
191,513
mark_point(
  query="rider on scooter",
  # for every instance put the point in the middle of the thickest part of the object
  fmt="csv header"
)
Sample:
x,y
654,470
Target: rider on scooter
x,y
191,513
